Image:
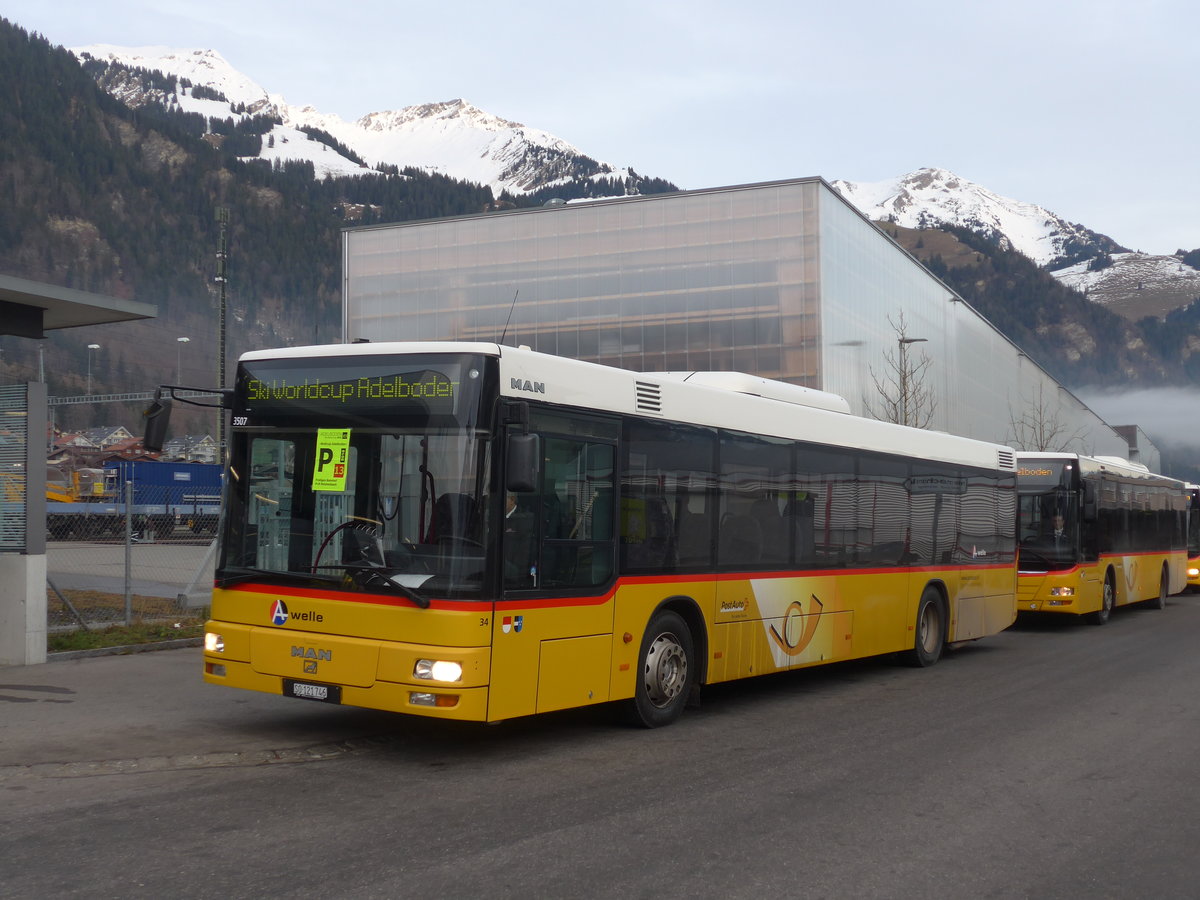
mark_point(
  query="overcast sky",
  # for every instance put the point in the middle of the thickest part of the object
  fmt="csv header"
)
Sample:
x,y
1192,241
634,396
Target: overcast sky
x,y
1085,108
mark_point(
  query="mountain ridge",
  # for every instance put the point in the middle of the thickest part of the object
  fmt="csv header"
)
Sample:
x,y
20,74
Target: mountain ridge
x,y
457,139
1133,284
452,137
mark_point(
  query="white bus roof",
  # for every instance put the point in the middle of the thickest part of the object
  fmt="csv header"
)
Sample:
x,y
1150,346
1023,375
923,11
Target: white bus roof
x,y
1104,463
730,400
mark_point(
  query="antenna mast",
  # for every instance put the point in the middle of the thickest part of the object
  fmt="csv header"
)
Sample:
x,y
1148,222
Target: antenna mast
x,y
221,280
511,307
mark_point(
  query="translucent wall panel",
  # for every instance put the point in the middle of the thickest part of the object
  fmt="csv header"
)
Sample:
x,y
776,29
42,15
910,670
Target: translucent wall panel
x,y
983,386
706,280
783,280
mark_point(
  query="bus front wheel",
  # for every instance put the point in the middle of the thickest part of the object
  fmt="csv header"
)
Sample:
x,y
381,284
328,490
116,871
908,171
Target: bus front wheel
x,y
666,670
930,630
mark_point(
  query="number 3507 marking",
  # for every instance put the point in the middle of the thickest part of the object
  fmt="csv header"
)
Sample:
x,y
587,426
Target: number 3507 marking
x,y
241,420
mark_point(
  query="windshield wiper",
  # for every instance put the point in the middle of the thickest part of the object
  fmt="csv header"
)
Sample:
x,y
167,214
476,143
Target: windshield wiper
x,y
240,576
368,576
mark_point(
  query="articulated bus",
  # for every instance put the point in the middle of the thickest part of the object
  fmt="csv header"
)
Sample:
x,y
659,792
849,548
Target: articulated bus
x,y
1193,539
479,532
1097,533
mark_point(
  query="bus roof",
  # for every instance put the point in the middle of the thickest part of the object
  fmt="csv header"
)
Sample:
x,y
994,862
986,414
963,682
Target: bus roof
x,y
735,401
1113,464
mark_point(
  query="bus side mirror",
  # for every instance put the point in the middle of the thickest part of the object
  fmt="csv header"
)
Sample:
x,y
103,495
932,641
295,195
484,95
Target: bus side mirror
x,y
1089,500
523,463
158,418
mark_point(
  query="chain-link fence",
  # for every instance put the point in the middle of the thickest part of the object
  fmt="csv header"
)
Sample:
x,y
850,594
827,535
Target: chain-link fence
x,y
140,556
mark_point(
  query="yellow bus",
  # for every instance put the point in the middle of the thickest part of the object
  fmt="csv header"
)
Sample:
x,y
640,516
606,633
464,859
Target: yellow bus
x,y
479,532
1193,539
1097,533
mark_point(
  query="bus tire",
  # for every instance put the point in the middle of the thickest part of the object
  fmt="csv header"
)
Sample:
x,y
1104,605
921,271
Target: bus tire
x,y
930,629
666,671
1108,599
1164,585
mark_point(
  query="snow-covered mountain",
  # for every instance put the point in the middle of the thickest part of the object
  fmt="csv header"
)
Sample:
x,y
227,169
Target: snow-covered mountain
x,y
929,197
453,138
1135,285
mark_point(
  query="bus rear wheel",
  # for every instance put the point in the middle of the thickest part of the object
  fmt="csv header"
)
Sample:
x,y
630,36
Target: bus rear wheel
x,y
1108,599
1164,585
666,671
930,630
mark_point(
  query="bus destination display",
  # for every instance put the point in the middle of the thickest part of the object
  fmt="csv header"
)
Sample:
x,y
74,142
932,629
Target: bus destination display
x,y
351,388
432,387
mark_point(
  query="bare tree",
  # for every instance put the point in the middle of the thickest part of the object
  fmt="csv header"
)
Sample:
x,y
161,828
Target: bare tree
x,y
1039,426
903,394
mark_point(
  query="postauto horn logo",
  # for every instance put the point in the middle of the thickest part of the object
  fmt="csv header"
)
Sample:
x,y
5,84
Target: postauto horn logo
x,y
279,613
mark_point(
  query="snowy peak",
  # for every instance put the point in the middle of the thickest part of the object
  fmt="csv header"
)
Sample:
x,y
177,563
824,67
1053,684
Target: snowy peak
x,y
206,68
931,196
450,110
1133,285
454,137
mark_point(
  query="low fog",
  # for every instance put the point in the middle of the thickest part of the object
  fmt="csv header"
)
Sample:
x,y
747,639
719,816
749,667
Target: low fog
x,y
1169,416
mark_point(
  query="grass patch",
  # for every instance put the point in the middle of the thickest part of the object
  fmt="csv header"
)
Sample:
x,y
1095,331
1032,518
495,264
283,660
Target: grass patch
x,y
154,619
121,635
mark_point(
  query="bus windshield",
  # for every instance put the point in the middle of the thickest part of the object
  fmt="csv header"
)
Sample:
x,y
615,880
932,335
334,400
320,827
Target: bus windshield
x,y
1048,516
365,474
407,514
1193,522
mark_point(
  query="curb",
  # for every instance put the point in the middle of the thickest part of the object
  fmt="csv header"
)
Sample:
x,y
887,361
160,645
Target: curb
x,y
125,649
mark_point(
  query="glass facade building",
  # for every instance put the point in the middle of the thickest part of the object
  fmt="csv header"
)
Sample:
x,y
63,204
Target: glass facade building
x,y
783,280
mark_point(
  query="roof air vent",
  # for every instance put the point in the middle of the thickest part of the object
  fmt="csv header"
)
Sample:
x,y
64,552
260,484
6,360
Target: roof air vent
x,y
649,397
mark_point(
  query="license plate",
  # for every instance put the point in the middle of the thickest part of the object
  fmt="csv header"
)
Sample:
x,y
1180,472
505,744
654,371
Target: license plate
x,y
307,690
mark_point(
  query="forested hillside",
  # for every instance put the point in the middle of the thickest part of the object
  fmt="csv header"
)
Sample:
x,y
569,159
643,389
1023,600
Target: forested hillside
x,y
1078,342
101,198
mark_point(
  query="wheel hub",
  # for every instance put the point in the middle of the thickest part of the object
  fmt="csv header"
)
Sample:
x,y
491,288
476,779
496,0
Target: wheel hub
x,y
666,670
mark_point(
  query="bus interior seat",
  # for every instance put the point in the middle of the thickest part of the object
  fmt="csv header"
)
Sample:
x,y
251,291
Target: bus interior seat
x,y
693,538
657,546
739,540
773,528
453,517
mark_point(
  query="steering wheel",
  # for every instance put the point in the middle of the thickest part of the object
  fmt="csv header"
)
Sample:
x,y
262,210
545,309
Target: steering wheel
x,y
351,523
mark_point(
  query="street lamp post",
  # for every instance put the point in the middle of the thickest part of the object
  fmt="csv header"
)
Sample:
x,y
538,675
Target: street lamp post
x,y
179,359
904,342
91,348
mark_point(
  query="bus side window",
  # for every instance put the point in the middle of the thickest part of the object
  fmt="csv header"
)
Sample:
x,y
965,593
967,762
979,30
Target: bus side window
x,y
668,497
576,513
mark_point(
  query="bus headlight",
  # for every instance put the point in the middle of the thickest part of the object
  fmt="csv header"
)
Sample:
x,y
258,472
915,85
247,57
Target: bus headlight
x,y
438,670
1193,572
213,642
1062,592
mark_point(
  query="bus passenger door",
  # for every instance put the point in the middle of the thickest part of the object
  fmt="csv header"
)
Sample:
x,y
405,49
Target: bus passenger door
x,y
553,631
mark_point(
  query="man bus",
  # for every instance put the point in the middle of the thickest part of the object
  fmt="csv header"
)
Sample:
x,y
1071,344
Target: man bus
x,y
1121,538
479,532
1193,538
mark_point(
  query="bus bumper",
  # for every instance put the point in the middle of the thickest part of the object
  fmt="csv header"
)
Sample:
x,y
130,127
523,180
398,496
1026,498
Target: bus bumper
x,y
346,671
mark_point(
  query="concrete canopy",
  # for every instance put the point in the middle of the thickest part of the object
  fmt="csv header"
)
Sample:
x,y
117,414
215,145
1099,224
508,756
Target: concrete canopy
x,y
31,308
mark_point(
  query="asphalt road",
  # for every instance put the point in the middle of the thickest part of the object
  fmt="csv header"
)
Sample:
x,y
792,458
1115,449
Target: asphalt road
x,y
1054,760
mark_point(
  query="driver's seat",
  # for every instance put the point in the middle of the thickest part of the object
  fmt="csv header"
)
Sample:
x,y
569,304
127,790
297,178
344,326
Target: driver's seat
x,y
454,516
